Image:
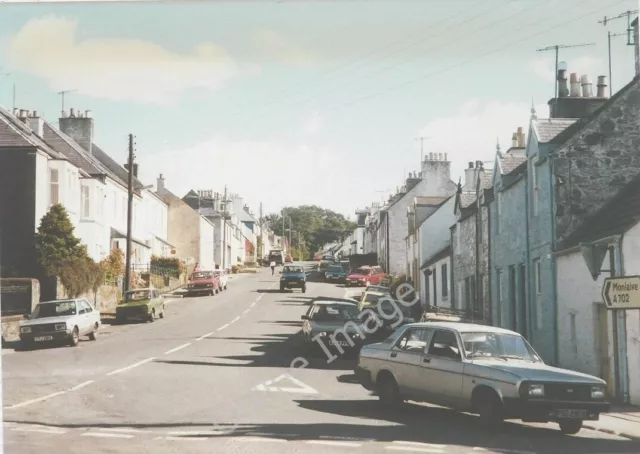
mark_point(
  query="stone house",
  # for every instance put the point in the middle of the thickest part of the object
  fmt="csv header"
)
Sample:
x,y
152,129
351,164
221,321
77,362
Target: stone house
x,y
507,204
470,240
433,181
594,162
418,212
191,233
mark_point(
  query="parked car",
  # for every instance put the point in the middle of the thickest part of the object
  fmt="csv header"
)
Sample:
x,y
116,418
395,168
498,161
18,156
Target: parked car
x,y
490,371
223,278
293,276
370,298
335,273
203,282
392,314
365,276
288,259
142,304
62,321
335,323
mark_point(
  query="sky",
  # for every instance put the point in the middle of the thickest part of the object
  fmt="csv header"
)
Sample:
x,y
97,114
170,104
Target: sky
x,y
296,102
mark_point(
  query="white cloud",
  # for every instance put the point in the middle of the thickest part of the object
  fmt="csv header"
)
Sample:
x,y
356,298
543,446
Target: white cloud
x,y
276,45
115,68
274,174
545,67
472,133
312,124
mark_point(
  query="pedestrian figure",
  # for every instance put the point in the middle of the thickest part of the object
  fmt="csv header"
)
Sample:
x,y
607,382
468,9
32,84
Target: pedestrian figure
x,y
273,267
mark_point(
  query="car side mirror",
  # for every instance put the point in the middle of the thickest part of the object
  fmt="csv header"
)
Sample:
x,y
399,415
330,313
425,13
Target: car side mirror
x,y
305,317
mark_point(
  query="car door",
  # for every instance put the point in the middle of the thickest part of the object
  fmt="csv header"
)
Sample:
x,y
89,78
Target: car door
x,y
405,357
94,314
84,313
442,369
156,302
378,275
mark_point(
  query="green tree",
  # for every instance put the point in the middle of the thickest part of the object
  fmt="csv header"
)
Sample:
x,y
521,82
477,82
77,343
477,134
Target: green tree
x,y
315,225
55,241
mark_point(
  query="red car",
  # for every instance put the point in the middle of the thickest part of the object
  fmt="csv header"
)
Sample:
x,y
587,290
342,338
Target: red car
x,y
203,282
365,276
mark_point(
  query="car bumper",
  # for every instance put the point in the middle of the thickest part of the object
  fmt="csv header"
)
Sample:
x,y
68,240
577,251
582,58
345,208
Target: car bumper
x,y
356,282
543,411
43,338
363,376
292,284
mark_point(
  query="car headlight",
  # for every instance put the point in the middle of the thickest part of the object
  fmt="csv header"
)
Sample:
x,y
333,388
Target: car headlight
x,y
598,392
536,390
61,327
25,329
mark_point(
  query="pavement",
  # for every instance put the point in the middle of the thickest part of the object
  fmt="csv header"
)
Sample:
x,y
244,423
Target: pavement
x,y
215,376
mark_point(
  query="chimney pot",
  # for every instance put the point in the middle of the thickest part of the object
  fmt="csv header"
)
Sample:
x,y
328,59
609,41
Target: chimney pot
x,y
439,156
470,165
575,86
514,140
431,156
87,114
445,157
586,86
602,87
35,114
563,90
72,112
16,111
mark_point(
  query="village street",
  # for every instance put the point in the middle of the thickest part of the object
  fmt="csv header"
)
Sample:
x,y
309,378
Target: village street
x,y
190,383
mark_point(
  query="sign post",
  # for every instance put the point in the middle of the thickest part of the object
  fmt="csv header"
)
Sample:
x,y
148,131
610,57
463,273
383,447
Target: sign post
x,y
621,293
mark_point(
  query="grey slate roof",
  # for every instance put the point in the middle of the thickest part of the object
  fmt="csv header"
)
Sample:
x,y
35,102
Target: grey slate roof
x,y
511,161
72,151
120,173
467,199
548,128
15,133
487,179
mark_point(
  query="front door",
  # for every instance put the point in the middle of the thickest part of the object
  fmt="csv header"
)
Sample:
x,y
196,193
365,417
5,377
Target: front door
x,y
442,369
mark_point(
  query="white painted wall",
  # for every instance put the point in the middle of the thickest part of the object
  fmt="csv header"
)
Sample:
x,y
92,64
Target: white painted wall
x,y
442,293
631,264
435,233
206,245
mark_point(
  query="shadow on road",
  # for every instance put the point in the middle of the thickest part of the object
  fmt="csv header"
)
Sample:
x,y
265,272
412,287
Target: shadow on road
x,y
424,425
268,290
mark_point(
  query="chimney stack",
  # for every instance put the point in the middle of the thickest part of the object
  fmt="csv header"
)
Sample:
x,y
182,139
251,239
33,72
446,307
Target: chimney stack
x,y
79,128
521,137
587,91
563,89
575,85
514,140
160,183
72,113
602,87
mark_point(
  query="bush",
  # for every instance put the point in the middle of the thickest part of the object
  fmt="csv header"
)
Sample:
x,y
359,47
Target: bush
x,y
235,269
170,265
113,265
79,275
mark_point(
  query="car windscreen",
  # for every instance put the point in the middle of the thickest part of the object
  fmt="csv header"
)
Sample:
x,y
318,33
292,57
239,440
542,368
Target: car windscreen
x,y
57,309
336,269
362,271
497,345
371,298
201,275
137,295
293,269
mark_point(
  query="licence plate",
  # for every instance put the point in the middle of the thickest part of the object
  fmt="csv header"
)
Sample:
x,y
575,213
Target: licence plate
x,y
341,343
43,338
572,414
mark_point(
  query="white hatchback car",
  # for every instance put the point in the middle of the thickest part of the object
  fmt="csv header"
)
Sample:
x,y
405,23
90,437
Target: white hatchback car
x,y
224,278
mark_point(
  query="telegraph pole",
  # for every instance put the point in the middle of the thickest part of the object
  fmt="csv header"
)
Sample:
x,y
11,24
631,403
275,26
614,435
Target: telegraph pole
x,y
283,231
224,228
261,221
610,35
557,48
127,271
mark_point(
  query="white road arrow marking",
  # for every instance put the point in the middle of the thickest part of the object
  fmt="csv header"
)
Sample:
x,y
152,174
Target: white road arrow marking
x,y
302,388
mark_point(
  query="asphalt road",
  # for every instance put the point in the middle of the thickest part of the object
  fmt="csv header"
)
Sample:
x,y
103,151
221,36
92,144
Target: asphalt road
x,y
215,376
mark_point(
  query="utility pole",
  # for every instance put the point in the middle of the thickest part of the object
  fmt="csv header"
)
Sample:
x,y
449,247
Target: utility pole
x,y
62,93
610,35
127,270
283,231
290,244
224,228
557,48
14,97
261,222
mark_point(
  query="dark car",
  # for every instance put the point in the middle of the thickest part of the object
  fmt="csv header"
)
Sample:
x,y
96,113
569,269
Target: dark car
x,y
293,276
335,273
333,325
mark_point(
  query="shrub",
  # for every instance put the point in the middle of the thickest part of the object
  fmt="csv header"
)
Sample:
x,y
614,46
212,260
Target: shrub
x,y
235,269
113,265
170,265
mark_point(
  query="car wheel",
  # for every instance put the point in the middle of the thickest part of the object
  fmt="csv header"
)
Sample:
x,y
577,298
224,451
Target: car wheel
x,y
388,391
93,335
570,426
75,337
152,315
162,313
304,289
489,409
225,287
281,289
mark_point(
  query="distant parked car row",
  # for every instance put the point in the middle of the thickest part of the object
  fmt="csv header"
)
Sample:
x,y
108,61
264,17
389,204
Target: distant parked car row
x,y
207,282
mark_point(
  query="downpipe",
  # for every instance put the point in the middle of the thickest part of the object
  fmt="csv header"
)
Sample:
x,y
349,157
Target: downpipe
x,y
621,323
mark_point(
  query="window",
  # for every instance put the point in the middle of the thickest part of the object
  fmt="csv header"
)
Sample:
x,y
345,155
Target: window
x,y
54,187
538,280
413,341
499,298
534,182
445,281
84,195
445,345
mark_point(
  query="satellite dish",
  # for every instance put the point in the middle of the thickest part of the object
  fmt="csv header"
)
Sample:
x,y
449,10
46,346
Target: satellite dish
x,y
562,66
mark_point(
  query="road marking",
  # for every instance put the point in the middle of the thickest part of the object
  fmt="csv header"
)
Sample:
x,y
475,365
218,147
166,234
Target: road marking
x,y
177,348
35,401
125,369
81,385
105,435
414,449
235,319
260,439
198,432
302,388
223,327
206,335
118,429
185,438
246,311
259,298
42,431
506,451
424,445
350,444
253,304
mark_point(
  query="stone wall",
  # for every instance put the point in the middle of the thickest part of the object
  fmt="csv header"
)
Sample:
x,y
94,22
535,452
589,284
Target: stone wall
x,y
105,299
